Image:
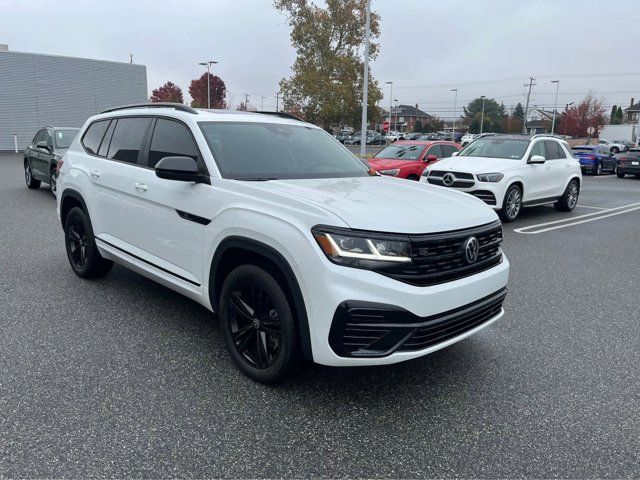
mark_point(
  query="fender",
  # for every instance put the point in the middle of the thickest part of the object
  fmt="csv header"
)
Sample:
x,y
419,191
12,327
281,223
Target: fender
x,y
69,192
276,257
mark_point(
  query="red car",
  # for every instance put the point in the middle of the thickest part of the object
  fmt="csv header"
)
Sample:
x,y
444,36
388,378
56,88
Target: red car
x,y
409,158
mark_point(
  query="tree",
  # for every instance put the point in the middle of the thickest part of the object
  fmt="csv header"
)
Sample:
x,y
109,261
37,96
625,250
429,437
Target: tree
x,y
577,119
518,112
169,92
620,114
493,114
417,126
327,75
244,107
433,124
613,117
198,92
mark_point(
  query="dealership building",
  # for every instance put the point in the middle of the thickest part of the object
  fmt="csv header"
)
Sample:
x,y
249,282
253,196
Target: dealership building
x,y
38,90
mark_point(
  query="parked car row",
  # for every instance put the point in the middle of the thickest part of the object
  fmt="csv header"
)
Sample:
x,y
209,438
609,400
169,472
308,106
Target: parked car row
x,y
408,159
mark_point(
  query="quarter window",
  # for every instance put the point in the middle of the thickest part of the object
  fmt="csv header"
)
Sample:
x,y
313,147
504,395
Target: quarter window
x,y
128,137
104,147
93,136
554,151
171,139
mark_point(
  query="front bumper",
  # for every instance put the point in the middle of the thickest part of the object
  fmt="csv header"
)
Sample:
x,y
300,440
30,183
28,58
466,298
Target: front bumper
x,y
327,288
491,193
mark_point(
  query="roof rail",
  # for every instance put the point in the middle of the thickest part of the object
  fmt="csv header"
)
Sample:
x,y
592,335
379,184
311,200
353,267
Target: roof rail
x,y
176,106
282,115
553,135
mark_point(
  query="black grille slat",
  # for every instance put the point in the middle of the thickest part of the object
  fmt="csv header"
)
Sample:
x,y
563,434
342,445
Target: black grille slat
x,y
486,196
459,175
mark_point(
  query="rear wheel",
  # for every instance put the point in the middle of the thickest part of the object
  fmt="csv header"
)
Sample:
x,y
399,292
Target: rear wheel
x,y
28,177
620,174
82,252
53,181
257,324
598,170
569,199
512,204
615,150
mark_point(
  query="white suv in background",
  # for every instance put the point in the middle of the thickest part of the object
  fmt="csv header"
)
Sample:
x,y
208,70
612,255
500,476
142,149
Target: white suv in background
x,y
509,172
303,252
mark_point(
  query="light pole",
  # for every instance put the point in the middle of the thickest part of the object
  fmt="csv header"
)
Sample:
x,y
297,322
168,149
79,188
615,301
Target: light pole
x,y
482,117
395,119
455,104
566,109
390,102
208,64
365,82
555,105
277,101
246,101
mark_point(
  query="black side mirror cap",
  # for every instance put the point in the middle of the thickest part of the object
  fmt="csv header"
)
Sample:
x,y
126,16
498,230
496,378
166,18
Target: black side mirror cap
x,y
181,169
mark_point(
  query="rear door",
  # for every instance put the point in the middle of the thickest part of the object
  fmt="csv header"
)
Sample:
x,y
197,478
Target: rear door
x,y
33,155
557,160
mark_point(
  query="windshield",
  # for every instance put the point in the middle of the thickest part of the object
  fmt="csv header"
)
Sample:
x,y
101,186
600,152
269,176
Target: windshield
x,y
492,147
271,151
64,138
401,152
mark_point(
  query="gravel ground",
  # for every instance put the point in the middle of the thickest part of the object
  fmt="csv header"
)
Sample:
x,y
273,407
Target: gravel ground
x,y
121,377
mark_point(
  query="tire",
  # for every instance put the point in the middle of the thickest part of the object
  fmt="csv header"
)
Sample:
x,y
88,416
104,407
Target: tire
x,y
620,174
615,150
569,199
615,168
257,325
598,170
53,181
512,204
413,177
31,182
82,252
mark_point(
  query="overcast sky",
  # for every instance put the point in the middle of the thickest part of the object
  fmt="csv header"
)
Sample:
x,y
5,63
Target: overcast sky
x,y
428,47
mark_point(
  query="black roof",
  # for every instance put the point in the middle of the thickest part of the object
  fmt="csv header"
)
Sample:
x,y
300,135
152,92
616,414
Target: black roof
x,y
406,111
633,108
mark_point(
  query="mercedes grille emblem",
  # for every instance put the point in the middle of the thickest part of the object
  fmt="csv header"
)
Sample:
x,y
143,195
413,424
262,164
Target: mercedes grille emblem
x,y
448,179
471,249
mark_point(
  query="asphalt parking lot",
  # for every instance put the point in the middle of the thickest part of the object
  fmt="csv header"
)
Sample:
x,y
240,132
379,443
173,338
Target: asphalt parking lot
x,y
121,377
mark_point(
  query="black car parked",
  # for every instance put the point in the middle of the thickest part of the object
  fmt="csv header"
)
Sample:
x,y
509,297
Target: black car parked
x,y
42,155
629,163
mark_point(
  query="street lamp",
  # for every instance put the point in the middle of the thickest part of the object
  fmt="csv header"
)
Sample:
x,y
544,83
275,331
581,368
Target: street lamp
x,y
482,117
555,105
395,119
365,82
455,102
390,101
208,64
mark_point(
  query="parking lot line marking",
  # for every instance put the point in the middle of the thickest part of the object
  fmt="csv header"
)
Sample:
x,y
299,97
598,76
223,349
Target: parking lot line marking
x,y
568,222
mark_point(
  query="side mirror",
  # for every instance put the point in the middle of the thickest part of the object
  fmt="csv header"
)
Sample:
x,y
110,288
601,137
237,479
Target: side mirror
x,y
43,145
182,169
455,154
431,158
537,159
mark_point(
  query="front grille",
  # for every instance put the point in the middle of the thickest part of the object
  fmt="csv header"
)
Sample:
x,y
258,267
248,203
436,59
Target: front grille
x,y
363,329
486,196
462,180
439,258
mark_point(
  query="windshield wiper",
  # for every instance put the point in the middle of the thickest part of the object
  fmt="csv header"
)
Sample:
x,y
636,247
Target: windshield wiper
x,y
257,179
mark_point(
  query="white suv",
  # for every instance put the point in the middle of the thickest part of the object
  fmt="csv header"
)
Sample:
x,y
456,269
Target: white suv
x,y
509,172
303,252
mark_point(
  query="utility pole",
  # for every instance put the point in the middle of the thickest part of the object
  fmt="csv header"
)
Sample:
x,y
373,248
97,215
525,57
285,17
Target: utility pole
x,y
482,116
566,109
390,102
455,102
526,109
277,101
395,119
246,101
555,105
262,103
365,86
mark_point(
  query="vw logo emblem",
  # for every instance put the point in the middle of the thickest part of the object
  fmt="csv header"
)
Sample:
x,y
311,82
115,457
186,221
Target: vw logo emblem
x,y
448,179
471,249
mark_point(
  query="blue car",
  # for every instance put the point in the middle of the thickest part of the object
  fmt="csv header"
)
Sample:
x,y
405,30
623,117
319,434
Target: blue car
x,y
595,159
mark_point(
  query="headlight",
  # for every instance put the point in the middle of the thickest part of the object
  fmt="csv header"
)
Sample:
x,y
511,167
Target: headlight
x,y
490,177
361,249
393,172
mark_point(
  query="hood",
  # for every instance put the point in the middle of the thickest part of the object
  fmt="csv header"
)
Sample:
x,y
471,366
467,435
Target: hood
x,y
475,164
386,163
387,204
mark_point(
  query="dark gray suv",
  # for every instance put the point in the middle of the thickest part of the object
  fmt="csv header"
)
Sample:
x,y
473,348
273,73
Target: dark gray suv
x,y
42,154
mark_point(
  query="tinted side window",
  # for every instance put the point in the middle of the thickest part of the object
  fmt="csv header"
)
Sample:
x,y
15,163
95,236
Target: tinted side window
x,y
127,139
171,139
48,138
38,136
553,150
93,136
447,150
104,146
538,149
435,150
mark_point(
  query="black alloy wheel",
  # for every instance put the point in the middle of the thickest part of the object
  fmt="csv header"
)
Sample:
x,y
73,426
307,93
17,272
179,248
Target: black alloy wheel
x,y
257,324
53,181
82,252
28,177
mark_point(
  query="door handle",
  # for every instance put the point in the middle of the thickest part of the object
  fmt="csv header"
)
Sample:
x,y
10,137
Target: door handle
x,y
140,186
95,173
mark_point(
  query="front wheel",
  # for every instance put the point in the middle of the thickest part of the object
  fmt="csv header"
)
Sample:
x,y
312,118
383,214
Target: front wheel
x,y
569,199
620,174
82,251
53,181
598,170
257,324
615,150
28,177
512,204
